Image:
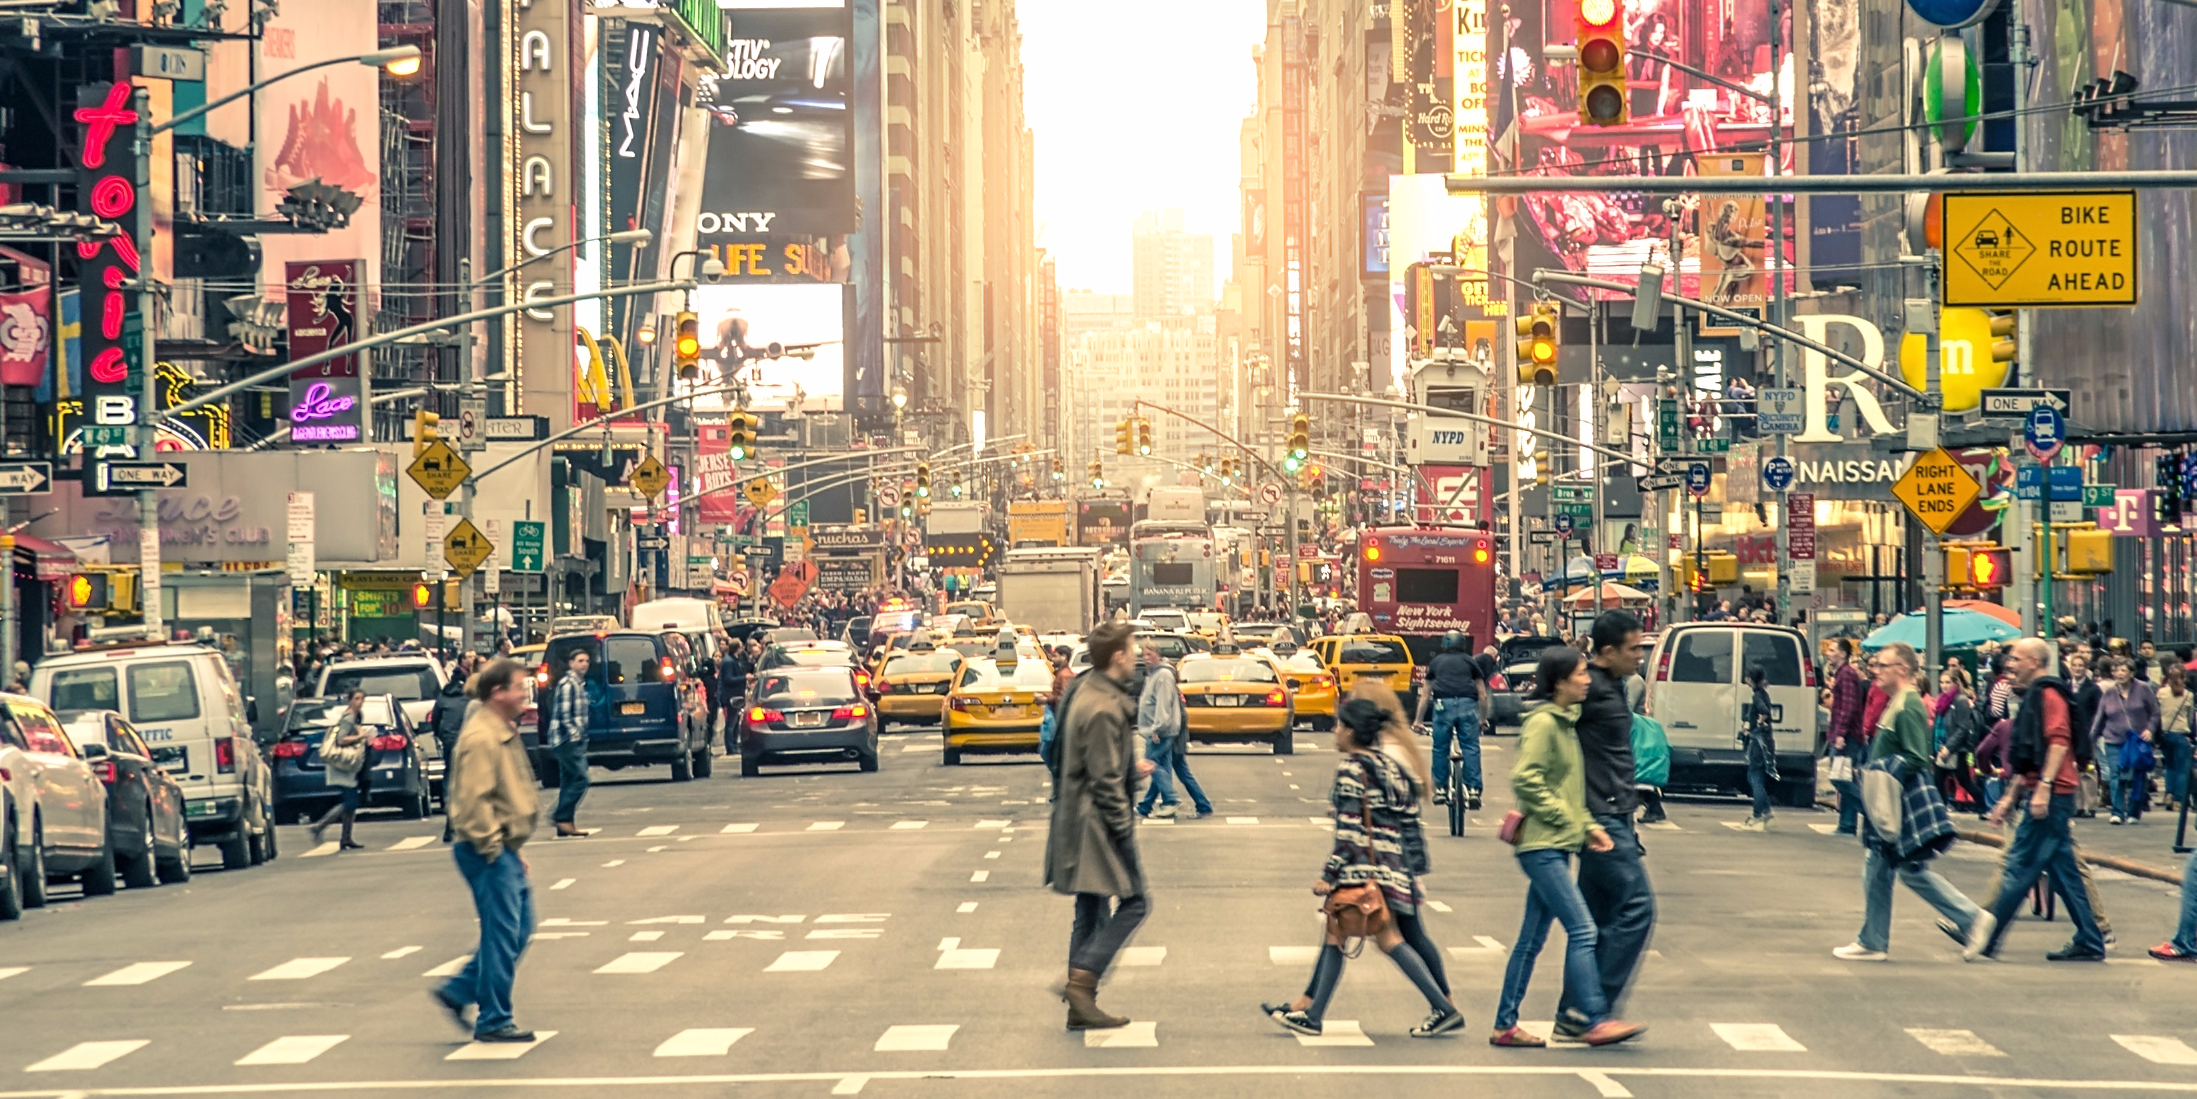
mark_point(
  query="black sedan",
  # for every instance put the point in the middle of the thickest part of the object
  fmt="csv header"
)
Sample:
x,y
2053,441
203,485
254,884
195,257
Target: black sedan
x,y
1517,658
808,715
144,804
396,760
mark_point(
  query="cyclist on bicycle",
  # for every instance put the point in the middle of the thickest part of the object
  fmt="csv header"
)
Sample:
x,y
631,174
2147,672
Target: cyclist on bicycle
x,y
1457,694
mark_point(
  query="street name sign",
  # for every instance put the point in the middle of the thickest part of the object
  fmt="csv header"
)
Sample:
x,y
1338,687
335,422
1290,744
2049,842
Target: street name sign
x,y
2098,496
1573,493
2015,404
1575,510
439,470
1937,489
2040,249
25,478
1657,482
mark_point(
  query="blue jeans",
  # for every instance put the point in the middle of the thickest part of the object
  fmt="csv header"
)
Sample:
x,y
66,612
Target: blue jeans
x,y
1171,760
1458,717
1758,782
572,780
2046,847
1876,890
1551,894
505,904
2185,931
2112,780
1849,792
1622,901
2174,759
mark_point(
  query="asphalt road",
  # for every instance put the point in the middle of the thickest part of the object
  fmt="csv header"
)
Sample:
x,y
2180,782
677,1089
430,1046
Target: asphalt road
x,y
823,932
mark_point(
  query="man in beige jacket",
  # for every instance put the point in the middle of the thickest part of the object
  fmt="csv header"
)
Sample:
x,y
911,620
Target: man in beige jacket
x,y
492,805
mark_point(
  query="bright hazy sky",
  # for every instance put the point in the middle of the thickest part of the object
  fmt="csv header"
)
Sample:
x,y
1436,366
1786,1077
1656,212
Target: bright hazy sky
x,y
1136,105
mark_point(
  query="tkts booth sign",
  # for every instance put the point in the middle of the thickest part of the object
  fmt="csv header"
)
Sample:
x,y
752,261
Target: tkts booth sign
x,y
111,178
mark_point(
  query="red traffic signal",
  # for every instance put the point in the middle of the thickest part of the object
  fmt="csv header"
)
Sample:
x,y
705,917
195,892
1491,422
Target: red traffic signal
x,y
87,592
423,596
1601,38
1990,568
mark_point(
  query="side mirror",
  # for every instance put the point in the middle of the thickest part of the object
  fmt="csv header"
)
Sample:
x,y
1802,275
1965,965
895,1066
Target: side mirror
x,y
93,750
251,709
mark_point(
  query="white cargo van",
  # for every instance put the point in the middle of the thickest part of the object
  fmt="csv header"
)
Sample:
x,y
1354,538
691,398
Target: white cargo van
x,y
686,615
184,701
1696,684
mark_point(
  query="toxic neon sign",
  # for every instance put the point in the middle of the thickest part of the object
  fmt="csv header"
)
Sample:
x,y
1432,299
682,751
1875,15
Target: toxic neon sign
x,y
107,167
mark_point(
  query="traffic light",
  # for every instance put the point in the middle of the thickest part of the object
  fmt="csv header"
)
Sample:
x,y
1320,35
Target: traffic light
x,y
2088,551
1228,471
1097,474
922,480
87,592
1144,435
1537,334
1124,436
740,434
686,346
423,596
423,431
2166,493
1299,446
1602,95
1989,568
954,486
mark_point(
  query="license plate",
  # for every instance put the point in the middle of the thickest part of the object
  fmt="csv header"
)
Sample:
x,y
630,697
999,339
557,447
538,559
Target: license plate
x,y
633,707
199,809
807,721
1227,700
175,760
931,688
1008,711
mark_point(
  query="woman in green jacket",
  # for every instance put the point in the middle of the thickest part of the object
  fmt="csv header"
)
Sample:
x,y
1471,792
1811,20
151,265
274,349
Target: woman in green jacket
x,y
1550,785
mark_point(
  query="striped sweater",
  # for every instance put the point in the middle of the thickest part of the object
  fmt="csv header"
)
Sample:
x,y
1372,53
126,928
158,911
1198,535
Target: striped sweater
x,y
1372,792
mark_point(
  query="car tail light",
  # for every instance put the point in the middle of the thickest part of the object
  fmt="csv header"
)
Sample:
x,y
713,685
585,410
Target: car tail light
x,y
1325,682
1663,667
389,742
1807,673
541,675
757,715
1277,698
671,673
959,702
862,680
850,713
105,770
6,775
225,755
289,749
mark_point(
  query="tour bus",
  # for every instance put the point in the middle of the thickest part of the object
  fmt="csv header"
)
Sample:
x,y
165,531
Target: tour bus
x,y
1171,564
1421,584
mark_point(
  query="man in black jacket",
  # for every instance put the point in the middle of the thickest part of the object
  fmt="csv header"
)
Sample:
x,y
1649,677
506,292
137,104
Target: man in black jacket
x,y
1613,883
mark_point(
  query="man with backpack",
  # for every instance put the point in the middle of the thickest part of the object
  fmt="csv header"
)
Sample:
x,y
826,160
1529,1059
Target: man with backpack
x,y
1456,696
2045,756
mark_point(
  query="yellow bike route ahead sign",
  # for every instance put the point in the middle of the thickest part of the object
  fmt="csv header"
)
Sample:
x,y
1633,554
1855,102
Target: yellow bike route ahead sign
x,y
2025,250
1937,489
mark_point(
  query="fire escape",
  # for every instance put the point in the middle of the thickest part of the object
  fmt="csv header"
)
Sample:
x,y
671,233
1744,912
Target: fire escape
x,y
408,293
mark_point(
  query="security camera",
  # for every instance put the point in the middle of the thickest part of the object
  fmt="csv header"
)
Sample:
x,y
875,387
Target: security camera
x,y
713,269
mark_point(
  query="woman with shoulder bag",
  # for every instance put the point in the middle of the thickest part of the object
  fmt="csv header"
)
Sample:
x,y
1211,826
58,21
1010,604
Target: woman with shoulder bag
x,y
343,752
2177,714
1368,889
1550,825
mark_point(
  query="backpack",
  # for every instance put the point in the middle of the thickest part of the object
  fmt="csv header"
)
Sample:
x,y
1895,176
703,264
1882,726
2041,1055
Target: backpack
x,y
1651,752
2026,748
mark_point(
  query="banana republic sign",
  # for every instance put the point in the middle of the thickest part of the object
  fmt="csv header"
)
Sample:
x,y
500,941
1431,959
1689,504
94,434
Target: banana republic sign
x,y
538,135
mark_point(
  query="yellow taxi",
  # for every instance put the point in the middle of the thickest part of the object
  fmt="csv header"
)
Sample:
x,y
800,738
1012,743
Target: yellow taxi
x,y
1209,625
1356,656
996,707
912,683
1311,686
979,613
1233,697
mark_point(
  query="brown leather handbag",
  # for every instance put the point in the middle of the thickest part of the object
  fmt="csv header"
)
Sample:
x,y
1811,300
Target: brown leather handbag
x,y
1356,911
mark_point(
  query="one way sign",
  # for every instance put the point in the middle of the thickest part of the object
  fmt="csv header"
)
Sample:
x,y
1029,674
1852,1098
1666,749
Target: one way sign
x,y
25,478
2016,403
142,475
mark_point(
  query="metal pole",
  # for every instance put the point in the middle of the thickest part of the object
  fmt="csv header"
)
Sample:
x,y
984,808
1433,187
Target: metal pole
x,y
1782,594
1595,406
7,611
148,399
1933,559
2026,561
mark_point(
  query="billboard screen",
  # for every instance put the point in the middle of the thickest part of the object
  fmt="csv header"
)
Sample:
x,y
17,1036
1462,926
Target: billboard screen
x,y
781,155
783,340
324,126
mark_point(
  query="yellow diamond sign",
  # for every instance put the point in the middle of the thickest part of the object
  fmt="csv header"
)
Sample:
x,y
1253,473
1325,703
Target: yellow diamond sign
x,y
761,492
439,470
1937,489
650,478
465,547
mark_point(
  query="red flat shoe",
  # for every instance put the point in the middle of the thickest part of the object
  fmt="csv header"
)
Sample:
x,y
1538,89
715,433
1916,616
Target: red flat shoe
x,y
1518,1037
2168,952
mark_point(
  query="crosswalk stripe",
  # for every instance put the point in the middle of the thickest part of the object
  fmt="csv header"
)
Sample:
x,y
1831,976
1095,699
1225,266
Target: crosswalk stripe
x,y
450,968
735,829
850,1085
298,969
827,825
1825,829
958,958
1337,1032
1141,1035
323,851
1243,820
981,875
992,854
400,952
909,825
499,1051
644,936
658,830
411,843
801,961
1438,906
705,1042
965,906
908,1039
1757,1038
2158,1050
295,1049
85,1055
1955,1043
136,973
1293,955
7,971
614,862
993,823
564,883
1141,956
639,962
1604,1086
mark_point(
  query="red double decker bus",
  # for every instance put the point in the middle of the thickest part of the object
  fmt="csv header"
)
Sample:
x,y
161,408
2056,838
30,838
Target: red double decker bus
x,y
1420,584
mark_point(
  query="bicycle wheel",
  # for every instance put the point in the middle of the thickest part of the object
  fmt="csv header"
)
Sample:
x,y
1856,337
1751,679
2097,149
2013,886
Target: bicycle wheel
x,y
1456,800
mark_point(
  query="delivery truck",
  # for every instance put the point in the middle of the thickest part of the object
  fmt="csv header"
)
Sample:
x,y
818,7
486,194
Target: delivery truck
x,y
1051,590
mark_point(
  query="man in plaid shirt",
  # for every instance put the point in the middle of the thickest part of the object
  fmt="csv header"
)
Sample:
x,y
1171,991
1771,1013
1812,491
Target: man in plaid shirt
x,y
566,740
1849,732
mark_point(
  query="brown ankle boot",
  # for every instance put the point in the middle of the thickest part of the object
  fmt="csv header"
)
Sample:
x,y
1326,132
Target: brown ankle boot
x,y
1083,1009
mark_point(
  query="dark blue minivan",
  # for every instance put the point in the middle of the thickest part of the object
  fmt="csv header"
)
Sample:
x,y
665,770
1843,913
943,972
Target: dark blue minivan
x,y
645,702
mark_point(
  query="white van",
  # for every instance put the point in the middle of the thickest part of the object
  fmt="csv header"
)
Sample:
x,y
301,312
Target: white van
x,y
686,615
184,700
1696,684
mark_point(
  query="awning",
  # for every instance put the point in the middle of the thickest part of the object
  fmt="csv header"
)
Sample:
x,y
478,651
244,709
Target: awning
x,y
48,560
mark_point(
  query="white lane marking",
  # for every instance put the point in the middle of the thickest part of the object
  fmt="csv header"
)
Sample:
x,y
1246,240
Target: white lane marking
x,y
850,1085
907,1039
559,935
801,961
909,825
735,829
666,919
1144,1035
1487,942
614,862
1293,955
136,974
2158,1050
400,952
655,849
991,854
85,1055
1664,826
562,921
7,971
704,1042
294,1049
1757,1038
1141,956
959,958
452,967
727,936
1243,820
1603,1085
1825,829
906,748
981,875
658,830
411,843
1321,821
965,906
1337,1032
325,849
993,823
827,826
640,962
499,1051
298,969
1438,906
846,933
645,936
564,883
1955,1043
949,943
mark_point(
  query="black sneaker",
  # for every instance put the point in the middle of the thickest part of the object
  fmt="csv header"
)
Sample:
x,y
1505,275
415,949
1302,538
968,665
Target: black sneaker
x,y
1570,1027
505,1033
2071,953
1440,1023
1472,798
1441,795
1297,1022
457,1010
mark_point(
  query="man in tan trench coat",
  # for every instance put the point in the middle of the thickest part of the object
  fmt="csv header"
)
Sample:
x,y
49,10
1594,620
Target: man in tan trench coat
x,y
1092,851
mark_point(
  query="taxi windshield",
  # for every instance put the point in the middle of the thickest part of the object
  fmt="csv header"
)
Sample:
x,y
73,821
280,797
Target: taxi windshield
x,y
906,663
1226,669
1366,651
